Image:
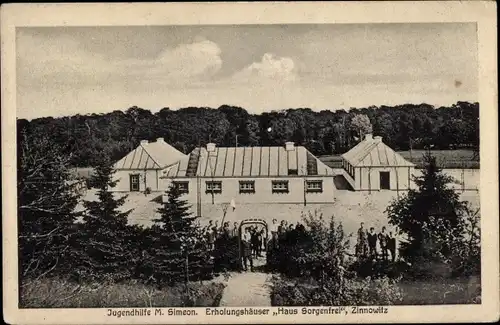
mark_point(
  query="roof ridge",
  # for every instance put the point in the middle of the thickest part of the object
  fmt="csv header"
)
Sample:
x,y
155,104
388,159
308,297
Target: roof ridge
x,y
147,152
369,149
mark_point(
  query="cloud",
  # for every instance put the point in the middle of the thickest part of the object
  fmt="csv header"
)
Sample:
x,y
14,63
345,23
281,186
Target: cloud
x,y
196,59
63,60
270,69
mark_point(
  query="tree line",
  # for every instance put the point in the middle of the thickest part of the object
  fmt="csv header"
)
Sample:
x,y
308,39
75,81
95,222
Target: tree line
x,y
403,127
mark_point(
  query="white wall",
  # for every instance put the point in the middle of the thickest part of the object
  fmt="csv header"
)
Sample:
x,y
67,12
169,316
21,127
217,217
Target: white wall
x,y
263,191
369,178
465,179
147,178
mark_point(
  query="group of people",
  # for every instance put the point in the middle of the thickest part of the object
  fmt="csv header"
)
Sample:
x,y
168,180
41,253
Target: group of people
x,y
279,229
253,239
373,245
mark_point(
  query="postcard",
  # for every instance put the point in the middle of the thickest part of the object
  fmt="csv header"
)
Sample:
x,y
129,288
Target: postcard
x,y
327,162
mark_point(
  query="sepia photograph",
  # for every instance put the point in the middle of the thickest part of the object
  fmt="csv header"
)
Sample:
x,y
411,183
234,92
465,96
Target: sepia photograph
x,y
320,168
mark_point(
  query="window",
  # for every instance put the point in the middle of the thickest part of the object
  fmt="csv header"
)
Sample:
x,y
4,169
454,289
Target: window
x,y
134,182
247,186
183,187
280,186
214,187
292,172
315,186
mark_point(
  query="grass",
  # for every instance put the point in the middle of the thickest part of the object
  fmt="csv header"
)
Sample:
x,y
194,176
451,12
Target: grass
x,y
460,158
59,293
430,292
446,291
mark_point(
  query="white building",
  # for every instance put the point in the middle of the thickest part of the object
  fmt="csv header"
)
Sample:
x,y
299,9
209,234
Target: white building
x,y
373,166
141,168
279,174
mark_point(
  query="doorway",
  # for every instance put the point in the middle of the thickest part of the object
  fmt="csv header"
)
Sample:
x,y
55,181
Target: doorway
x,y
385,180
258,225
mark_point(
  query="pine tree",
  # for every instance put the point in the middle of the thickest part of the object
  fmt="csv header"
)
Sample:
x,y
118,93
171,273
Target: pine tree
x,y
430,216
105,233
179,252
46,204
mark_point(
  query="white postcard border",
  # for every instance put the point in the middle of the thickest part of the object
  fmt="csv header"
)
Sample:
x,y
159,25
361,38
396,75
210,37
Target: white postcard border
x,y
483,13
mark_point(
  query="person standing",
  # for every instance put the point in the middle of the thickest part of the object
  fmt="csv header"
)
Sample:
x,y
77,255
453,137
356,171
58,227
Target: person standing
x,y
263,240
234,231
274,229
362,246
247,251
372,242
382,237
216,228
225,231
254,241
391,245
282,228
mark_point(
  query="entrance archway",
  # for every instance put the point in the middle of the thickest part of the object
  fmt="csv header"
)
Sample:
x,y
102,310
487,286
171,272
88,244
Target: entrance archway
x,y
247,222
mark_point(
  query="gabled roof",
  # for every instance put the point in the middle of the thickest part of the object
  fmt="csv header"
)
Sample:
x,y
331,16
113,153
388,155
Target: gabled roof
x,y
372,152
152,155
249,162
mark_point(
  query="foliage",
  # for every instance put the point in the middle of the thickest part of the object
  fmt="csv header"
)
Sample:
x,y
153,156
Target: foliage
x,y
441,230
327,132
361,125
354,292
178,250
105,235
63,293
317,251
227,254
46,203
376,292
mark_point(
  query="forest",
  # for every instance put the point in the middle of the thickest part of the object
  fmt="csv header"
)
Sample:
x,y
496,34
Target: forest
x,y
328,132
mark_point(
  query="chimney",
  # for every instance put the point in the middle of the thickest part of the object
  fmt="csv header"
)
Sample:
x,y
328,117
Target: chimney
x,y
289,146
210,147
369,137
377,139
144,141
160,140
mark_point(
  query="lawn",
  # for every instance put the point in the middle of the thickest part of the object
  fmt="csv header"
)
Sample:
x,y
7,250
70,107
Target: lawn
x,y
288,292
58,293
461,158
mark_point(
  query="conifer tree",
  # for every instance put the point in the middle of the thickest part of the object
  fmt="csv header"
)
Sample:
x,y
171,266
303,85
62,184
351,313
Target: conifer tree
x,y
46,206
179,252
105,233
431,216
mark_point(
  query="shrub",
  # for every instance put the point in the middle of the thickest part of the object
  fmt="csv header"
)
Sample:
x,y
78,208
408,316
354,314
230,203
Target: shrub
x,y
350,292
61,293
317,249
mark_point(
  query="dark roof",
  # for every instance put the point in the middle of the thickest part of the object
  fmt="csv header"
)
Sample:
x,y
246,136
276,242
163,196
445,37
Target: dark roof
x,y
248,161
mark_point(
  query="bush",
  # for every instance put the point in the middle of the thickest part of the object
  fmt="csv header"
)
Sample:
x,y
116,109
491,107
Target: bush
x,y
317,250
61,293
441,291
359,292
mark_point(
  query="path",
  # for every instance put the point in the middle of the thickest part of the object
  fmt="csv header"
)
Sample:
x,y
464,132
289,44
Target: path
x,y
247,289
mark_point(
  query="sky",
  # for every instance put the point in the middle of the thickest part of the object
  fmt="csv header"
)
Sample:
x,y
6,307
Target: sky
x,y
64,71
